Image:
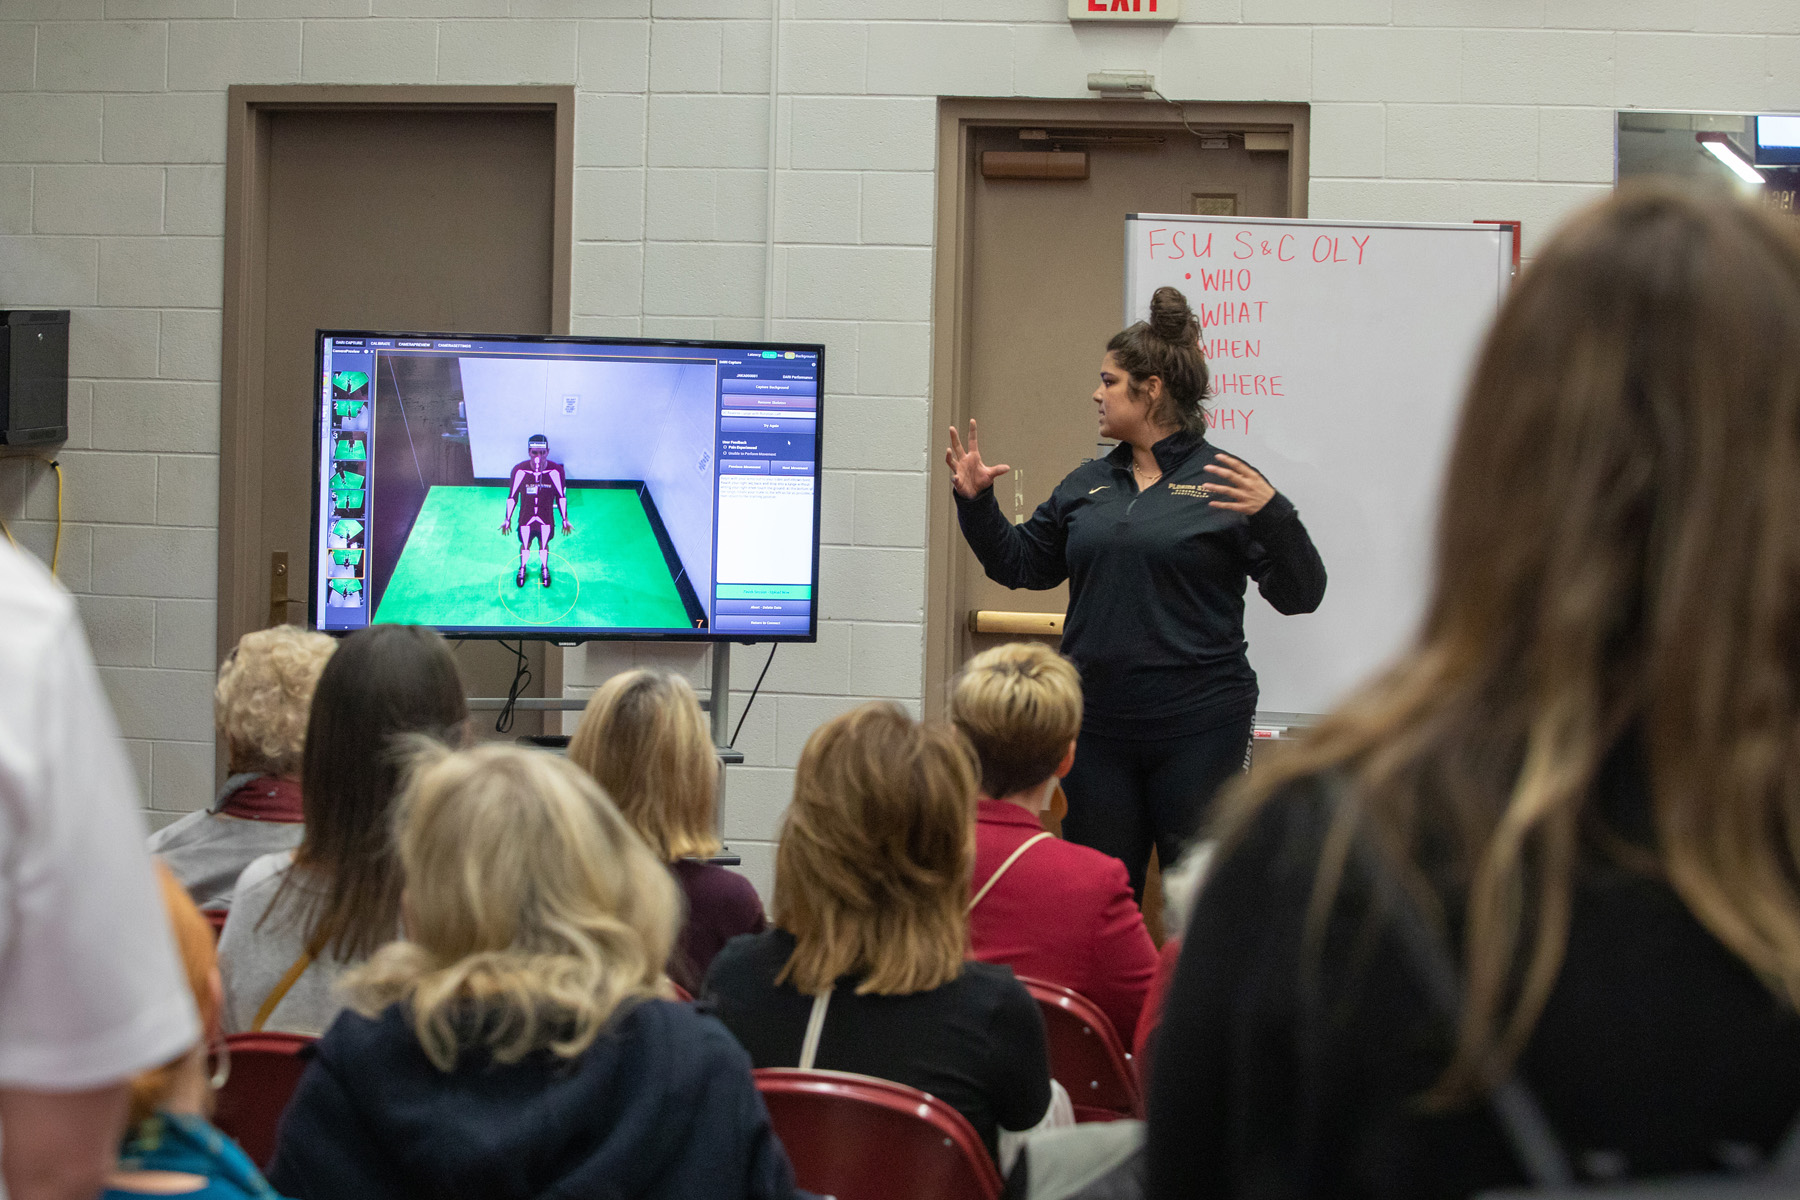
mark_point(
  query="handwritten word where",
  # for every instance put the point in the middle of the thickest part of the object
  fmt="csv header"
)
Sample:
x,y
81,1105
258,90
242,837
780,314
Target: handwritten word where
x,y
1247,385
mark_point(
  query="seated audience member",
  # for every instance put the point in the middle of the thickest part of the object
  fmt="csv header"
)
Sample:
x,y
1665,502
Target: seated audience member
x,y
260,706
514,1045
644,739
91,990
1575,794
301,917
171,1149
1051,909
871,888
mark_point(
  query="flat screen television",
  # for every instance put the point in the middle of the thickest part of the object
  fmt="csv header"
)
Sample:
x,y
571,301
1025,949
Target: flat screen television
x,y
1778,141
566,488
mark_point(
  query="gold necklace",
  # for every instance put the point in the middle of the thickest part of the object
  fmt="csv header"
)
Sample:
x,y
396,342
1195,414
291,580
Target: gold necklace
x,y
1142,481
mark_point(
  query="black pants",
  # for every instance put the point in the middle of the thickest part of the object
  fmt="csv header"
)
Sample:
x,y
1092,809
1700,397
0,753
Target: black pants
x,y
1126,796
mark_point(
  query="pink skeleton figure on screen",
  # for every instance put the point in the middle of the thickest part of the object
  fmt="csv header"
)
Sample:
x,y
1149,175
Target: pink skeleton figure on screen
x,y
539,489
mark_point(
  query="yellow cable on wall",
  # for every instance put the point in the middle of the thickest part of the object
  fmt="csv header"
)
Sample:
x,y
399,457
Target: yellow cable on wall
x,y
56,544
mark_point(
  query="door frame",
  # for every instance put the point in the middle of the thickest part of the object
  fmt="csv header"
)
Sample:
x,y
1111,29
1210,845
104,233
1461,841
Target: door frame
x,y
951,316
248,110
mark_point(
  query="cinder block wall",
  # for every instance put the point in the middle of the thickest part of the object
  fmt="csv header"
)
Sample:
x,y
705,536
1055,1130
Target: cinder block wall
x,y
111,204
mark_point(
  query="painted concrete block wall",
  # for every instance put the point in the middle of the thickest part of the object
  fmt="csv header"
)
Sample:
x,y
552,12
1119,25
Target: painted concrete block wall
x,y
112,146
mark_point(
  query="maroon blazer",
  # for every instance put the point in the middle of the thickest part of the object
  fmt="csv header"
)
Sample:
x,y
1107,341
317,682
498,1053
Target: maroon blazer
x,y
1062,913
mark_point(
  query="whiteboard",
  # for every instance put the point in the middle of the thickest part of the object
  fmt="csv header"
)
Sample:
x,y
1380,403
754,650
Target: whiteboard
x,y
1339,353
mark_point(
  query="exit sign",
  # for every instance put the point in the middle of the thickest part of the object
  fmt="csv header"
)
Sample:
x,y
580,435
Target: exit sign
x,y
1124,10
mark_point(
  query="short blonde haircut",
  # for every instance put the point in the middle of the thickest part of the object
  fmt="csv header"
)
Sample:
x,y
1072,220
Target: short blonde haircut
x,y
1020,707
872,874
533,910
264,696
642,736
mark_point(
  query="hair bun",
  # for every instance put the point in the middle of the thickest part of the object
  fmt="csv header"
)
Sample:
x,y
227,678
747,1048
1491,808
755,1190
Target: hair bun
x,y
1170,317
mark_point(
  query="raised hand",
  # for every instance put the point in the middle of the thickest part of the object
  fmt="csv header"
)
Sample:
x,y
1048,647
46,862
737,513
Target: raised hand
x,y
971,475
1242,485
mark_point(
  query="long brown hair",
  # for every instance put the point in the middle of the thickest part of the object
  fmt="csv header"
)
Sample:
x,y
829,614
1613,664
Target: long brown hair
x,y
1618,553
384,682
872,874
643,738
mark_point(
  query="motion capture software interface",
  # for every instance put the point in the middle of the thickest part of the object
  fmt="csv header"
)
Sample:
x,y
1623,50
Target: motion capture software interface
x,y
762,479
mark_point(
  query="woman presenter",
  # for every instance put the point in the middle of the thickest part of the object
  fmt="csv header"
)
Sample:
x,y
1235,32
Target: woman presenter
x,y
1156,541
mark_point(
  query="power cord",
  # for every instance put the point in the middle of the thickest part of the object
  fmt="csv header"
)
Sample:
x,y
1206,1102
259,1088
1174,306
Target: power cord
x,y
521,680
745,715
56,545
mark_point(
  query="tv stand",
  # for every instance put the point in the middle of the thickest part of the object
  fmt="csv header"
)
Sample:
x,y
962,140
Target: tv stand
x,y
716,703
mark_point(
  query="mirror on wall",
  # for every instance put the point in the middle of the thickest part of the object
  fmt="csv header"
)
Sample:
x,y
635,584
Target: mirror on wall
x,y
1757,156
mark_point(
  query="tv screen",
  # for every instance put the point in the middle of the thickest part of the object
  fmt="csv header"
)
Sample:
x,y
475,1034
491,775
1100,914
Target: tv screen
x,y
567,488
1777,141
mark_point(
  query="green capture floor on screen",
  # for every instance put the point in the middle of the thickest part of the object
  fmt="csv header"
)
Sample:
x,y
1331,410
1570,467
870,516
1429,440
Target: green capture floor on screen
x,y
458,569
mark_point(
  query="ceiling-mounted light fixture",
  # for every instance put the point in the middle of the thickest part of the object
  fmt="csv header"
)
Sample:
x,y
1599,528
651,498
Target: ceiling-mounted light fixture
x,y
1722,148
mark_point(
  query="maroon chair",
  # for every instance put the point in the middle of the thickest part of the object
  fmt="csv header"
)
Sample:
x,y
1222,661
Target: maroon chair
x,y
856,1137
216,918
265,1067
1086,1055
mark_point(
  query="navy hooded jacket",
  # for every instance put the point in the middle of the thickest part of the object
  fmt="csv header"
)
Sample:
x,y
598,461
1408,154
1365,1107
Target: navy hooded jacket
x,y
661,1105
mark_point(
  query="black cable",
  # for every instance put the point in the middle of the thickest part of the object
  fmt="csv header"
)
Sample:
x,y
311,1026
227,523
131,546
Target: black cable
x,y
521,680
743,716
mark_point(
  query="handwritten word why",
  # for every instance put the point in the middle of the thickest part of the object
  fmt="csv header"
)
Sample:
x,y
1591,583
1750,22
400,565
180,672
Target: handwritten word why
x,y
1229,418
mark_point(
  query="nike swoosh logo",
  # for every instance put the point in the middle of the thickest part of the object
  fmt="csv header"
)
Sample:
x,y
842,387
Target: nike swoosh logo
x,y
1101,488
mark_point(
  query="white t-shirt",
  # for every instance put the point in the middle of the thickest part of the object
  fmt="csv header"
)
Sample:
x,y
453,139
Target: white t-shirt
x,y
91,990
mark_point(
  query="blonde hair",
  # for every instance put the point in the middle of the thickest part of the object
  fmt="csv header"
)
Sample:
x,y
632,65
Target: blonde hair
x,y
1649,363
195,943
264,696
872,874
1020,706
533,910
642,736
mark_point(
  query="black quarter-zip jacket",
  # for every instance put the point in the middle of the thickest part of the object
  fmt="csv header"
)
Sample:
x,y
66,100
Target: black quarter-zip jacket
x,y
1156,585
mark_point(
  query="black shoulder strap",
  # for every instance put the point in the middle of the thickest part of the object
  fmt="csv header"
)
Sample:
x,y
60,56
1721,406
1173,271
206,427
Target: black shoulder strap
x,y
1514,1105
1522,1120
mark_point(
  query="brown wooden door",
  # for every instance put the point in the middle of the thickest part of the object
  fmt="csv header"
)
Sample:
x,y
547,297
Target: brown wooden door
x,y
405,218
1046,291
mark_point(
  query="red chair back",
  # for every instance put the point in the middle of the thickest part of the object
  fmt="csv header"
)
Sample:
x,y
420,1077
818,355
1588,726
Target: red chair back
x,y
681,993
1086,1055
216,918
265,1067
860,1138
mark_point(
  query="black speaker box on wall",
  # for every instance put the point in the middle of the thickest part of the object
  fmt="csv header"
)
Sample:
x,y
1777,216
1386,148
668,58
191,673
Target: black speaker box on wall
x,y
34,377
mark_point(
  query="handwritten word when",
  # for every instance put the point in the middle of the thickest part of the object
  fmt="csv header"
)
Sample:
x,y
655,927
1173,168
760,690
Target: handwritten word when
x,y
1231,348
